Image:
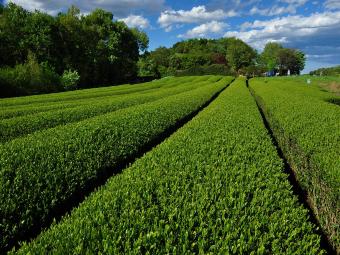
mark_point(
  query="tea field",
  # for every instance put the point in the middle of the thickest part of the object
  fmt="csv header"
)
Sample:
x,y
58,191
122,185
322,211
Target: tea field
x,y
180,165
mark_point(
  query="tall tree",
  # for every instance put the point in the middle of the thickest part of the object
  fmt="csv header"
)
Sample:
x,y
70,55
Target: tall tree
x,y
269,57
239,54
12,31
101,50
292,60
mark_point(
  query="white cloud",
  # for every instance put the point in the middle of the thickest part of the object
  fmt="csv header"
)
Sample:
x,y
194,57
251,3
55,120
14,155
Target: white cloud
x,y
332,4
213,27
118,7
273,11
312,34
276,9
136,21
295,2
198,14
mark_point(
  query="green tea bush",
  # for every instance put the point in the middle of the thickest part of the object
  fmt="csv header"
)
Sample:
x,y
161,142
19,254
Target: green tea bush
x,y
23,125
308,131
41,171
215,69
216,186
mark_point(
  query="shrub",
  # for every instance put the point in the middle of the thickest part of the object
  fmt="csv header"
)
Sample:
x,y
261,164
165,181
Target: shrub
x,y
28,78
70,79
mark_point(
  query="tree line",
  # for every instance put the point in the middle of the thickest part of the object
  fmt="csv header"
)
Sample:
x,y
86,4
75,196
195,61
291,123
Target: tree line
x,y
40,52
224,56
330,71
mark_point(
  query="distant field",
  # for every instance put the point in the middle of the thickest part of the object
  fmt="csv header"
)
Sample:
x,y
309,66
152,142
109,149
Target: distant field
x,y
175,166
328,83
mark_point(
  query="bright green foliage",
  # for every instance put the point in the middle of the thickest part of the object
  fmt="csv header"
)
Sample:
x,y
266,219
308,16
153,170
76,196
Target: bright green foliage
x,y
334,71
16,107
147,67
70,79
308,130
277,58
87,93
214,187
269,56
23,125
239,54
41,171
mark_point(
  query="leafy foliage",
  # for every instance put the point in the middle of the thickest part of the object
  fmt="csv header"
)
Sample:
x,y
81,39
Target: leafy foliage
x,y
70,79
215,186
277,58
239,54
269,56
103,51
215,69
28,78
307,127
333,71
42,171
83,109
201,56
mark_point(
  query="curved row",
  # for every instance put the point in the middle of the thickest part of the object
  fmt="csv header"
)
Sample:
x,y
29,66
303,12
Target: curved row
x,y
84,93
19,107
308,130
214,187
24,125
41,171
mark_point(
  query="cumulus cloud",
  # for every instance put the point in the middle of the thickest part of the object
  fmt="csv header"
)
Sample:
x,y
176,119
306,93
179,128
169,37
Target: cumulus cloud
x,y
319,32
118,7
232,4
295,2
136,21
273,11
213,27
198,14
278,9
332,4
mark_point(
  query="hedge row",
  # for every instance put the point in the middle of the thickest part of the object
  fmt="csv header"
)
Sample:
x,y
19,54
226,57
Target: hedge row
x,y
23,125
215,69
32,108
214,187
85,93
41,171
308,131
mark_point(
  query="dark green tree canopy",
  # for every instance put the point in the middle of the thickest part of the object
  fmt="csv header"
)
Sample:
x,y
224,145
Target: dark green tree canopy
x,y
276,57
102,50
239,54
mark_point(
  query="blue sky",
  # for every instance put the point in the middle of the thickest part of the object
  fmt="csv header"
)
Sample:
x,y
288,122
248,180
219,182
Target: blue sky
x,y
309,25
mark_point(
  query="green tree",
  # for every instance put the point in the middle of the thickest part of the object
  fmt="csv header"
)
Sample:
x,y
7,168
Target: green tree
x,y
142,39
292,60
147,67
12,31
239,54
269,57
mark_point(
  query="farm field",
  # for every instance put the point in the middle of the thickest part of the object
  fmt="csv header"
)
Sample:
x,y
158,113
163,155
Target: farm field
x,y
306,124
180,165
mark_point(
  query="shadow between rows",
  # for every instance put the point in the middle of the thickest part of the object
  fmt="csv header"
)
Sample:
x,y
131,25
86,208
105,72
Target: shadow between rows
x,y
102,176
297,190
